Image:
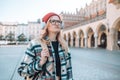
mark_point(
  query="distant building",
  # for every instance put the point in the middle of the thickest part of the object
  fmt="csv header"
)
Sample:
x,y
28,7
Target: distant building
x,y
33,29
1,29
9,28
30,30
96,25
22,29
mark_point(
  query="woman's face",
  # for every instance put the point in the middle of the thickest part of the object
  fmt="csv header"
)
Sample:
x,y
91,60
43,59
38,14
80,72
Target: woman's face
x,y
54,24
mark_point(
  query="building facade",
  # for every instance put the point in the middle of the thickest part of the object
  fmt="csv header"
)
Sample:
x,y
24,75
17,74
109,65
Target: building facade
x,y
1,29
9,28
33,29
96,25
22,29
30,30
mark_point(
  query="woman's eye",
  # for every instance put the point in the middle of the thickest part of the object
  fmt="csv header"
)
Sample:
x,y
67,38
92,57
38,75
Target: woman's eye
x,y
53,21
59,21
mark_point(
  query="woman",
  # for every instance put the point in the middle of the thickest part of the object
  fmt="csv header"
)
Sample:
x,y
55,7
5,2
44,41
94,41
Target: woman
x,y
48,57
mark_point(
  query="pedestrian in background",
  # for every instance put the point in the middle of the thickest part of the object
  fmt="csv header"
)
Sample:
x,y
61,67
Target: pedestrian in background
x,y
47,57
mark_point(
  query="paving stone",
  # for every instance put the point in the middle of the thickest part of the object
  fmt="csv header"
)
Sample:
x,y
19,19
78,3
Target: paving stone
x,y
88,64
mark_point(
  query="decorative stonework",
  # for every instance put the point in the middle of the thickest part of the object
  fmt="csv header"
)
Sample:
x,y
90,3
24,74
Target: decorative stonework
x,y
116,3
111,1
96,10
101,12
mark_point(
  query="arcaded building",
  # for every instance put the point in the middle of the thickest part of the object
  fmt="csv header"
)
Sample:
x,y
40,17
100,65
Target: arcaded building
x,y
95,25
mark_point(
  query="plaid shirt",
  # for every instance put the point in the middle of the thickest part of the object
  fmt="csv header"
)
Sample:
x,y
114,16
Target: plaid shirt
x,y
30,64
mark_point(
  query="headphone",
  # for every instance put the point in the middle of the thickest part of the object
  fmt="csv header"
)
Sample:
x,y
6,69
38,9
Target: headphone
x,y
43,24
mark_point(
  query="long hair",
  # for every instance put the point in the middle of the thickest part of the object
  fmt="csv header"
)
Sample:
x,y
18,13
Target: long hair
x,y
44,41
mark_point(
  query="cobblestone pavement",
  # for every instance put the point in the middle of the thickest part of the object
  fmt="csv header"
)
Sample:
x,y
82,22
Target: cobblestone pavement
x,y
95,64
88,64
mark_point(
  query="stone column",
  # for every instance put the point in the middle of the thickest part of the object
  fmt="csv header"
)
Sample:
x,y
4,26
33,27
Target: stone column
x,y
96,40
77,42
82,42
86,41
71,43
67,40
112,40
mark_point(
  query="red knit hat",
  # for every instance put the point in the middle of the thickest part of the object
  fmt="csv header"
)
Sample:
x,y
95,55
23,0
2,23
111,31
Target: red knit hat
x,y
48,15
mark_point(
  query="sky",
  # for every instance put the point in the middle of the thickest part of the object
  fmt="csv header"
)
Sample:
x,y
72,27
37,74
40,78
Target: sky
x,y
23,11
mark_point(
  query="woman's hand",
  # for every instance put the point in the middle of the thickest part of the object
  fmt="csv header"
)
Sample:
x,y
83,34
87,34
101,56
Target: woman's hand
x,y
44,55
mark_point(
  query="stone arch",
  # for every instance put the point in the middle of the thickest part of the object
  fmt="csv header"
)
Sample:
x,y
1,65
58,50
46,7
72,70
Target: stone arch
x,y
115,24
74,38
90,36
99,25
103,40
115,31
102,35
81,38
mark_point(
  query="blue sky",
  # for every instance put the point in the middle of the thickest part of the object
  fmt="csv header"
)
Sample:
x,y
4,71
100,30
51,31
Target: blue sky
x,y
23,11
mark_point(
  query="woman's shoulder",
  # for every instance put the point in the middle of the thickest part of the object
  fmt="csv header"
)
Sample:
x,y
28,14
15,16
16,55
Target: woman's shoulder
x,y
34,42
